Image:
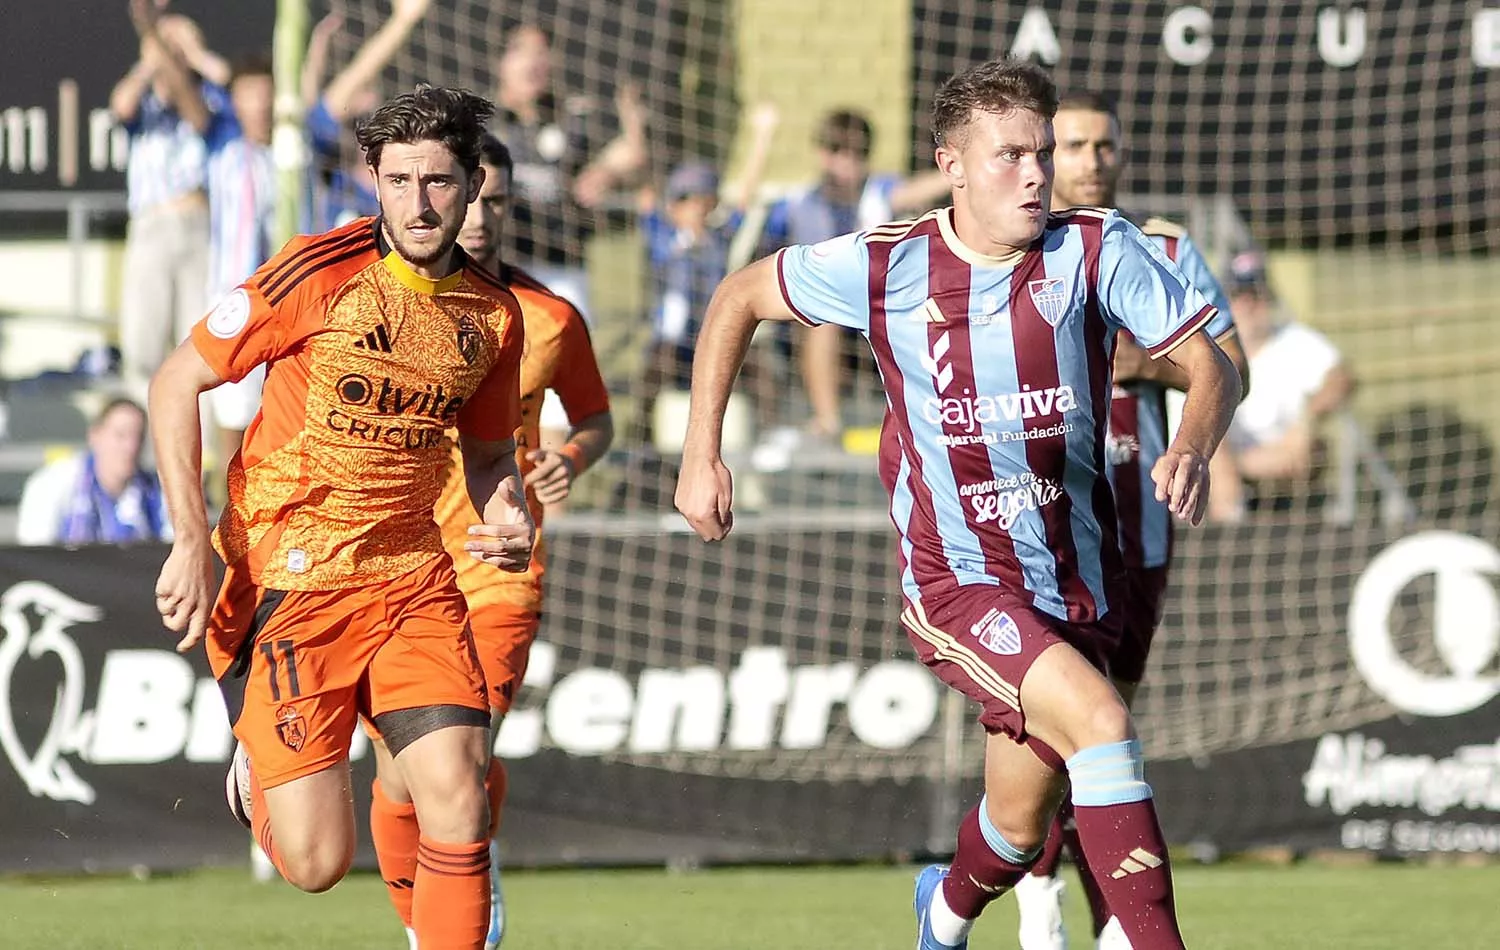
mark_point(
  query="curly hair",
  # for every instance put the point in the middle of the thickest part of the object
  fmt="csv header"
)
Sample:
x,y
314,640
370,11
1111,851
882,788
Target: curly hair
x,y
454,117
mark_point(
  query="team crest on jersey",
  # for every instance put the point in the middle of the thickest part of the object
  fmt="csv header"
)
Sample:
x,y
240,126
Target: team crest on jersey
x,y
998,633
291,727
1050,294
468,339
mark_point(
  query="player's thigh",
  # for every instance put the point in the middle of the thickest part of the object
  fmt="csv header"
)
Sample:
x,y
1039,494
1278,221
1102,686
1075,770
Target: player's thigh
x,y
444,772
1033,676
289,665
503,635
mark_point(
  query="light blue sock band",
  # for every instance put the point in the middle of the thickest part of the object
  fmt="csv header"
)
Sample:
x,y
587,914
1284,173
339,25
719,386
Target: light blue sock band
x,y
1110,774
1003,849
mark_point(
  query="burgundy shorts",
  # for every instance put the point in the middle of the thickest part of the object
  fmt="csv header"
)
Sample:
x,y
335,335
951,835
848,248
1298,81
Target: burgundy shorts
x,y
981,640
1144,599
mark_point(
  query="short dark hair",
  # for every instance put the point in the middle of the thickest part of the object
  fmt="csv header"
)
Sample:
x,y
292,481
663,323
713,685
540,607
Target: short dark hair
x,y
1088,100
454,117
846,128
492,151
1000,86
256,63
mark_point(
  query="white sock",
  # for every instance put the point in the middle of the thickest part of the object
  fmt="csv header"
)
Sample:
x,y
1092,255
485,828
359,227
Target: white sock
x,y
947,927
411,939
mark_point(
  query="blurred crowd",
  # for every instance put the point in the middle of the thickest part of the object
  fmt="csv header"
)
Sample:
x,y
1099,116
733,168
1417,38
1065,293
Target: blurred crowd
x,y
202,195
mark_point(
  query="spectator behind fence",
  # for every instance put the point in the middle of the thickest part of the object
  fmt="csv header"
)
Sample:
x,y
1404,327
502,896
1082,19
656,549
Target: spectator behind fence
x,y
1270,452
342,190
846,197
687,243
166,103
242,209
569,153
101,495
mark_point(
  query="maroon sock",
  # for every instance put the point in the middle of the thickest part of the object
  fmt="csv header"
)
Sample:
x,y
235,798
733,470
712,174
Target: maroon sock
x,y
978,874
1098,909
1124,847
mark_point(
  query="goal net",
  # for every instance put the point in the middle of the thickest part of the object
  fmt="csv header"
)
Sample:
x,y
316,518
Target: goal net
x,y
1351,144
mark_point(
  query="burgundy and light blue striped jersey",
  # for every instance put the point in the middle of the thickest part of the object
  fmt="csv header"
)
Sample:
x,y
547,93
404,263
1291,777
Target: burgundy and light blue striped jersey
x,y
997,379
1138,418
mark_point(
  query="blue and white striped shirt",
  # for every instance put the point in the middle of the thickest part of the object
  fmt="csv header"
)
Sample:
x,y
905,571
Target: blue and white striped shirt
x,y
241,205
168,158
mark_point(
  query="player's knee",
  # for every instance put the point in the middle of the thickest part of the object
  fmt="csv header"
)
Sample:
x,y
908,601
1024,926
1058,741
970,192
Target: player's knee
x,y
454,807
319,868
1107,720
1024,829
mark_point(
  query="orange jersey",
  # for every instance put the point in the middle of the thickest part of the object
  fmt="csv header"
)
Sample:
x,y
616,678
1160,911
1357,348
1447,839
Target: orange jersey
x,y
368,365
557,356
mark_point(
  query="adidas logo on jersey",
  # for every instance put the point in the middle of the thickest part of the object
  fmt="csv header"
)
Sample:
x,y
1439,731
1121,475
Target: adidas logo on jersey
x,y
377,340
1137,861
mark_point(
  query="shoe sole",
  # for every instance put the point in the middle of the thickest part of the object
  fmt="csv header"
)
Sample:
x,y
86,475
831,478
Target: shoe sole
x,y
236,797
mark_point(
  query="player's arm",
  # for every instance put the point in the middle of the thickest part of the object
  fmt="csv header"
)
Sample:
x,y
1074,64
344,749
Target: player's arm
x,y
1213,392
373,56
1133,363
185,588
1145,293
505,535
554,470
813,284
585,398
487,426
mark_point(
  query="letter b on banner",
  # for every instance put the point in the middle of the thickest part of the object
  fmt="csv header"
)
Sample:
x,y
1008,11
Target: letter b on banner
x,y
142,715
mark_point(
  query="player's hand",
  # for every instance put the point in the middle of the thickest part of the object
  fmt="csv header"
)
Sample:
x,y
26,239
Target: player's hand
x,y
1182,482
185,590
551,477
506,540
705,496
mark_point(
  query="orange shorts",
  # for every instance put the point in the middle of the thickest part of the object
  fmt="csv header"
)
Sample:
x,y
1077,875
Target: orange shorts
x,y
297,668
503,635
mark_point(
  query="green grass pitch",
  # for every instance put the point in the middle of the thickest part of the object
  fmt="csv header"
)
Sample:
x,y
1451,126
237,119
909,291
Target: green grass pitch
x,y
1229,907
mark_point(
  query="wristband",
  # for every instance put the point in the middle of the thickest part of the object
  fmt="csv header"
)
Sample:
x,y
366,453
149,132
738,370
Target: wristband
x,y
574,454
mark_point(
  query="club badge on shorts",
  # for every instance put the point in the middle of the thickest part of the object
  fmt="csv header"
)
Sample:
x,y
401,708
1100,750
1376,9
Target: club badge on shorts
x,y
998,633
291,727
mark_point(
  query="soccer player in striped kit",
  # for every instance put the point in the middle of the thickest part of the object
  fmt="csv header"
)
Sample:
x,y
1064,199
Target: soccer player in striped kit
x,y
1088,161
993,323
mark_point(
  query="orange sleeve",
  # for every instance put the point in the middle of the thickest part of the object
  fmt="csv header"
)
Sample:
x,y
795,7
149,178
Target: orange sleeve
x,y
245,330
578,384
493,413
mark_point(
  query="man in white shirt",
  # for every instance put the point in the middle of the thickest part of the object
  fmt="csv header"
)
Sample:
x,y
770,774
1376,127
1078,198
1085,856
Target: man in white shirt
x,y
1300,378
